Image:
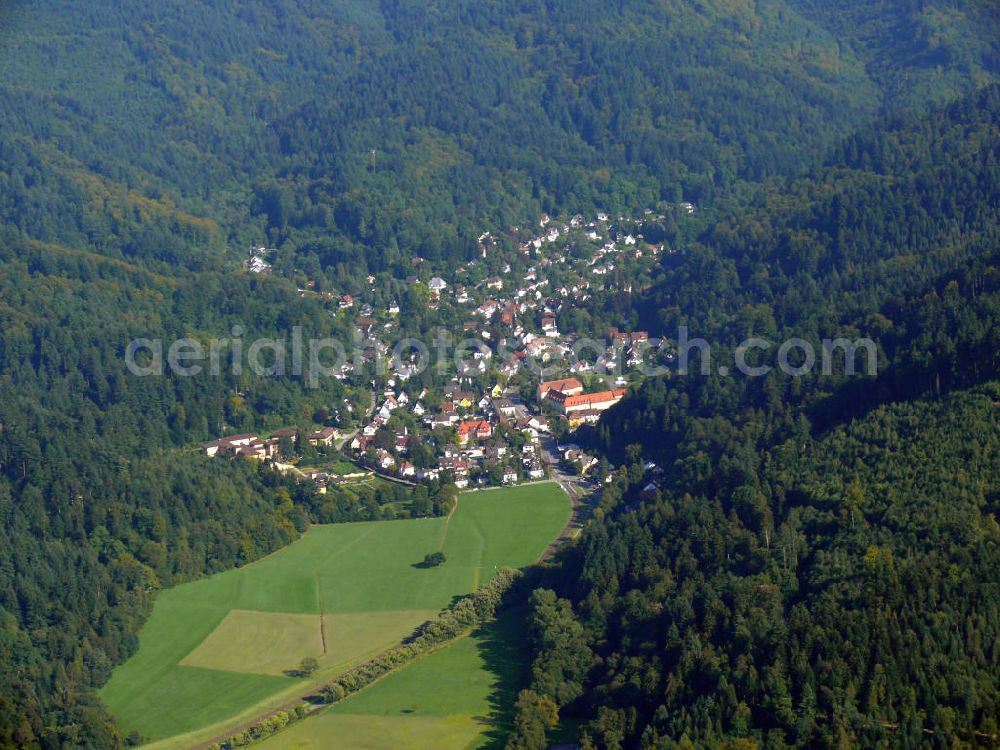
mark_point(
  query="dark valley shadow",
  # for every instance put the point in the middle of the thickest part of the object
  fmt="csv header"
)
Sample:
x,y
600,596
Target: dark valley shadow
x,y
503,646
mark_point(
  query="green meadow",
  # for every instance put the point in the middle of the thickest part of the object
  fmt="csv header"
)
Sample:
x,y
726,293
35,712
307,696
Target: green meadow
x,y
458,698
220,650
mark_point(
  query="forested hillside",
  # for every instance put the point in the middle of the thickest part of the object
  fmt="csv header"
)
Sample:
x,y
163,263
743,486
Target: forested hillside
x,y
844,594
893,238
816,564
98,511
145,147
360,134
914,51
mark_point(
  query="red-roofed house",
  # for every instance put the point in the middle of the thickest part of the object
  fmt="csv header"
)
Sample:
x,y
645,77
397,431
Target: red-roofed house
x,y
477,429
568,386
587,401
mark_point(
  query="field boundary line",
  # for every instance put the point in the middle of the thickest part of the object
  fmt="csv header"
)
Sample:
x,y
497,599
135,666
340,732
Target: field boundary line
x,y
311,692
318,707
447,524
343,549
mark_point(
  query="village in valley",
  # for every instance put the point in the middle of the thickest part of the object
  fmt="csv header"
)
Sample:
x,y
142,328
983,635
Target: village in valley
x,y
533,369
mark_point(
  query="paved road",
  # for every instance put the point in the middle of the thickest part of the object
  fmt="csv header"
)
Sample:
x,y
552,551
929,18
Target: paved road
x,y
574,485
578,489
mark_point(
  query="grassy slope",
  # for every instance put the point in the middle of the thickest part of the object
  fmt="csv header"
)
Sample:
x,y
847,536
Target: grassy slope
x,y
233,645
456,698
340,570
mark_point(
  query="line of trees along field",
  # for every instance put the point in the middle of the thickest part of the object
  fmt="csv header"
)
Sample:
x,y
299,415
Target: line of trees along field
x,y
817,567
142,151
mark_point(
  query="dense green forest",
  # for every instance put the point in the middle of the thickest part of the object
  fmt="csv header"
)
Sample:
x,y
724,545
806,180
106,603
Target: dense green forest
x,y
893,238
355,135
896,212
816,566
145,147
835,592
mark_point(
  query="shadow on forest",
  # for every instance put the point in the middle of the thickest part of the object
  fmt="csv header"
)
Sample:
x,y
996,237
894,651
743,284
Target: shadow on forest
x,y
503,647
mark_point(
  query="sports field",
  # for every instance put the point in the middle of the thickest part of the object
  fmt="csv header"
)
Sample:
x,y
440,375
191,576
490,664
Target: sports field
x,y
215,652
458,698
